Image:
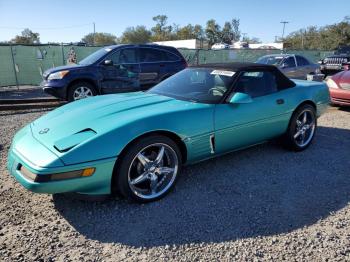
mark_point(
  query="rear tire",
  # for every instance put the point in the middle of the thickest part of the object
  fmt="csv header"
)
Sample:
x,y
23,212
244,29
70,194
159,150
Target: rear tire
x,y
81,90
301,129
148,169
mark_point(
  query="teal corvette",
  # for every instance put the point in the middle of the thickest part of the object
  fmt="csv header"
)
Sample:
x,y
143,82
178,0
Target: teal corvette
x,y
136,143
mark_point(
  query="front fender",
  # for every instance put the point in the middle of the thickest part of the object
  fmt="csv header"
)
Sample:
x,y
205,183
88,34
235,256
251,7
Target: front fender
x,y
192,126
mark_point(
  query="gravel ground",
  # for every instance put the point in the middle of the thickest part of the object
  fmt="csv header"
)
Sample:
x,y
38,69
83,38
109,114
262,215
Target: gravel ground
x,y
263,203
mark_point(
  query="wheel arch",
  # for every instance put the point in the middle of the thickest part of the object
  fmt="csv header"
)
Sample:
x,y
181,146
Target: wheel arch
x,y
306,102
77,80
173,136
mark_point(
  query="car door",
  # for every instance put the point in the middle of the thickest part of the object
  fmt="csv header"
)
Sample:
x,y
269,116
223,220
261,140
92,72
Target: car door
x,y
304,67
289,67
241,125
120,71
151,66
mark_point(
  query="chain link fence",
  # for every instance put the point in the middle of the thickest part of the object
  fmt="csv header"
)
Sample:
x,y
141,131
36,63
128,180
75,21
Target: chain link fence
x,y
24,65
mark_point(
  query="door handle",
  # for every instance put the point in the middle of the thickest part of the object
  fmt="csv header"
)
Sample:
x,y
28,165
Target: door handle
x,y
280,101
161,65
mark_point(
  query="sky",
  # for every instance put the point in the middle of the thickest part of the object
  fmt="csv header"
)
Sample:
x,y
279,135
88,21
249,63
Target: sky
x,y
69,20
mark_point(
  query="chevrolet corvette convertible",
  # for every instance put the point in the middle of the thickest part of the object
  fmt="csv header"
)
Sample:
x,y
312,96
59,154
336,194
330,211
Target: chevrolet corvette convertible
x,y
134,144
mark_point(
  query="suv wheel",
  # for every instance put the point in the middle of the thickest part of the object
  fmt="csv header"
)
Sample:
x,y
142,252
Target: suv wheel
x,y
81,90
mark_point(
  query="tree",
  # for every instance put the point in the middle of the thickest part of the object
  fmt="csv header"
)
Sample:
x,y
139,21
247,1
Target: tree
x,y
322,38
230,32
161,32
198,32
136,35
186,32
251,40
227,33
235,29
99,39
27,37
212,32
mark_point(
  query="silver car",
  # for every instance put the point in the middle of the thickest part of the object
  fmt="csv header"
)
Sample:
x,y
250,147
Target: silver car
x,y
293,66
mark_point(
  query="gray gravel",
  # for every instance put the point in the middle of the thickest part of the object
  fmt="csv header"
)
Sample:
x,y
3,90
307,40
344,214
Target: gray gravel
x,y
263,203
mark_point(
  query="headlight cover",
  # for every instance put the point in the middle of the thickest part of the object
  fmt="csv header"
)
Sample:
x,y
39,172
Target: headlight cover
x,y
57,176
331,83
58,75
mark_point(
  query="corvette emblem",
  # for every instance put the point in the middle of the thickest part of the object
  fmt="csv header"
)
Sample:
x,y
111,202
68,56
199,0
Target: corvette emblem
x,y
44,131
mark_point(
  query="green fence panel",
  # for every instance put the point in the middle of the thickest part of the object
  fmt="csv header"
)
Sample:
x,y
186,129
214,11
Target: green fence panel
x,y
191,55
7,73
32,61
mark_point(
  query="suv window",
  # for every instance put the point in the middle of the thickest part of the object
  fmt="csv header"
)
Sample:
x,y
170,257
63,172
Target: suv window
x,y
127,55
151,55
114,57
171,57
301,61
257,83
289,62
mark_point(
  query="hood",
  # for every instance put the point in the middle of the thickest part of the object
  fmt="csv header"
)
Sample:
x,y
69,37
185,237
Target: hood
x,y
60,68
74,123
342,79
338,56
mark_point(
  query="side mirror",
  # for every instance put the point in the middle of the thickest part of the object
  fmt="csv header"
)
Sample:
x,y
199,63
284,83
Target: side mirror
x,y
284,65
241,98
108,62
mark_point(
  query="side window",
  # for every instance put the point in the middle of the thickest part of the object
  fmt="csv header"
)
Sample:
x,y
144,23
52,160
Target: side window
x,y
171,57
301,61
258,83
127,55
114,57
151,55
289,62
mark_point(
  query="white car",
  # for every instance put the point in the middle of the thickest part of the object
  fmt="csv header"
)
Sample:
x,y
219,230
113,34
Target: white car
x,y
219,46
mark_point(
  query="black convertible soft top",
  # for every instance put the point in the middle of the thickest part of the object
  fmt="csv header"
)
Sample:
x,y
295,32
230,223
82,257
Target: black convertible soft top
x,y
282,80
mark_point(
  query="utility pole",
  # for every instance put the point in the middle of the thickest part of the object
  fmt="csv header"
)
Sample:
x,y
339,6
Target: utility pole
x,y
302,39
284,26
94,32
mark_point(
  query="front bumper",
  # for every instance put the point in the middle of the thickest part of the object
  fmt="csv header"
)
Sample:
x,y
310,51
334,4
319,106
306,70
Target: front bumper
x,y
97,184
340,96
56,88
330,69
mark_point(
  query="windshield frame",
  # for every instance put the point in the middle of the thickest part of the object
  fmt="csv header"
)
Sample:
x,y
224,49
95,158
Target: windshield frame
x,y
220,101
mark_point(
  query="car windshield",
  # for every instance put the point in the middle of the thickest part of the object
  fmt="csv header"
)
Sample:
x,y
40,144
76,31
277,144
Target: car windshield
x,y
202,85
94,56
270,60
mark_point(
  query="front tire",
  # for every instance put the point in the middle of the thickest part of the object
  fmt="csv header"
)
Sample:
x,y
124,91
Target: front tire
x,y
302,128
149,169
81,90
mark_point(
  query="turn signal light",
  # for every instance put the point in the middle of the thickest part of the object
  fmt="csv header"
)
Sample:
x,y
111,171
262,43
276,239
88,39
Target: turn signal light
x,y
57,176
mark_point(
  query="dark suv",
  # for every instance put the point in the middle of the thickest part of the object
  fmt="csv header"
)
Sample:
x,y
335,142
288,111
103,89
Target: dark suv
x,y
114,69
335,63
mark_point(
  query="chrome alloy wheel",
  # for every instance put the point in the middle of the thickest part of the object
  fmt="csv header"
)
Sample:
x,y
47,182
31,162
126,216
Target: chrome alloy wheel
x,y
82,92
153,171
305,128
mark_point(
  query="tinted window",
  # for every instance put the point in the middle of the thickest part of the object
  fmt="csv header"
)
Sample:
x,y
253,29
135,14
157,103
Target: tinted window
x,y
270,60
151,55
203,85
301,61
289,62
114,57
171,57
94,57
257,84
127,55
